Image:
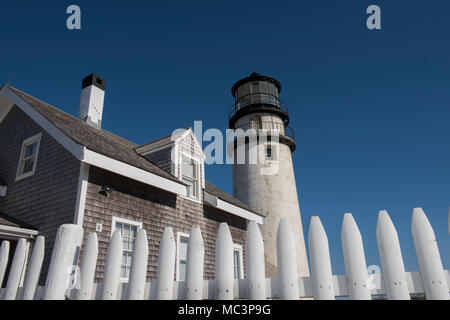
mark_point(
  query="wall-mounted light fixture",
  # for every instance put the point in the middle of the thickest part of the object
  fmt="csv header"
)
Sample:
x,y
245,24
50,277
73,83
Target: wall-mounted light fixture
x,y
106,189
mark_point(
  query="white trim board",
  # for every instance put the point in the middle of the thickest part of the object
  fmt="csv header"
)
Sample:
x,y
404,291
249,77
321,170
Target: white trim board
x,y
109,164
115,220
231,208
81,193
16,232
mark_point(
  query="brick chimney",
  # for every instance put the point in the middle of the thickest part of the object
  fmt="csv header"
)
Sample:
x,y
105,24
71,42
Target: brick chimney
x,y
92,97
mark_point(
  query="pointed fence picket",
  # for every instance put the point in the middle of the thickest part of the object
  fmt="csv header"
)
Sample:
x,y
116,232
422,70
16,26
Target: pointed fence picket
x,y
166,266
34,269
256,274
138,272
391,259
112,268
321,274
87,268
194,266
224,264
431,280
287,263
17,266
354,259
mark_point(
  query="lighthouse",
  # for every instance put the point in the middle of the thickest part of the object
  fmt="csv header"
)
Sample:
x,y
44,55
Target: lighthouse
x,y
266,183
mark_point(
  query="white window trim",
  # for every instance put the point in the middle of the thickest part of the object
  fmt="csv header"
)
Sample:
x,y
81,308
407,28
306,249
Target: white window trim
x,y
116,220
198,164
26,142
179,235
275,152
238,247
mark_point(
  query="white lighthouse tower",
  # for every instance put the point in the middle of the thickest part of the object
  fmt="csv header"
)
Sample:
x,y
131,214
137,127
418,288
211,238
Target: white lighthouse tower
x,y
268,184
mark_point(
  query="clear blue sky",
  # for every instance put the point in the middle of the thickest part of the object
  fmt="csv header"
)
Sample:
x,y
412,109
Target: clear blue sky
x,y
370,109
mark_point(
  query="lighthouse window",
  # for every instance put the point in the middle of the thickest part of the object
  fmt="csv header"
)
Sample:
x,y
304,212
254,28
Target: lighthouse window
x,y
270,153
190,176
264,87
255,87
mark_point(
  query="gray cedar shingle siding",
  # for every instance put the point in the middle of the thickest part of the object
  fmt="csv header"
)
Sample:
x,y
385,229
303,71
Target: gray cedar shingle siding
x,y
162,158
47,199
156,209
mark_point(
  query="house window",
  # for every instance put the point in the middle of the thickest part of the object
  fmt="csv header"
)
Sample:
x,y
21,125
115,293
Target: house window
x,y
189,171
28,157
183,240
128,231
238,262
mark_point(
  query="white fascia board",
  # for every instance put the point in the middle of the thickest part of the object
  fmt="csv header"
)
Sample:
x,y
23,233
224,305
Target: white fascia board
x,y
209,198
17,232
50,128
2,191
196,142
81,193
101,161
231,208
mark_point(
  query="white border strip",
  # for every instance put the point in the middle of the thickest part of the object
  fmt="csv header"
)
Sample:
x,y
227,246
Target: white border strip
x,y
101,161
17,232
81,193
231,208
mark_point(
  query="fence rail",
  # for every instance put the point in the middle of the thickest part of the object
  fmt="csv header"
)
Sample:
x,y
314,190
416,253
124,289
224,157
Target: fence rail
x,y
64,282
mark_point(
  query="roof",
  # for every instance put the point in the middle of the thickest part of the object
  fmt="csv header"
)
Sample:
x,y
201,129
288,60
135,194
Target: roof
x,y
215,191
98,140
111,145
161,142
13,222
2,183
255,77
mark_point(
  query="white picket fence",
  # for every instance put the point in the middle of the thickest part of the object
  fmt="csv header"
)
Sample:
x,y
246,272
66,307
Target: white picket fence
x,y
432,280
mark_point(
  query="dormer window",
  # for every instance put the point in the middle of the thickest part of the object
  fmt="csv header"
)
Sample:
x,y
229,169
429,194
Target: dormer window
x,y
189,174
28,157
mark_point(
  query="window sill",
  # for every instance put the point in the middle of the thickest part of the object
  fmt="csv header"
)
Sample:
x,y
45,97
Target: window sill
x,y
26,175
197,200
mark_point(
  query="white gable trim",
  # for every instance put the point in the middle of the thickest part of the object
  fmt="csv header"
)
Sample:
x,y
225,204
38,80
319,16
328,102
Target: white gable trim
x,y
90,157
101,161
197,144
58,135
231,208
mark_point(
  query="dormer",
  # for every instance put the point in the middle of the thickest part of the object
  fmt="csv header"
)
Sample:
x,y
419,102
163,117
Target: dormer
x,y
181,155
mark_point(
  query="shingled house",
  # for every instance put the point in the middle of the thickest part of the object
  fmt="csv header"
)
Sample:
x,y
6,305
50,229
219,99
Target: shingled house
x,y
56,168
